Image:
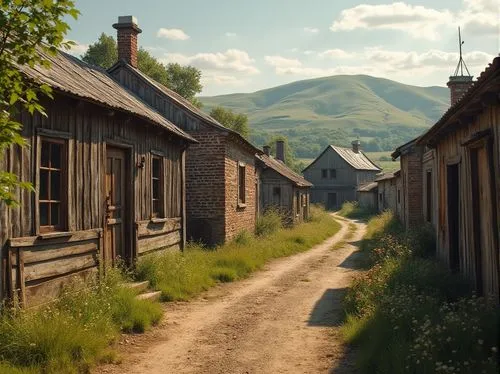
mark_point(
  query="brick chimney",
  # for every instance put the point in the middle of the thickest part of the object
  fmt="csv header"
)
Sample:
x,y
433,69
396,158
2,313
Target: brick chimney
x,y
127,39
266,149
356,145
280,150
458,85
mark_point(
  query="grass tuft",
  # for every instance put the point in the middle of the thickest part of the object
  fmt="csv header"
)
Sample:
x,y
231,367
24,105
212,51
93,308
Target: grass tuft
x,y
352,209
270,222
180,276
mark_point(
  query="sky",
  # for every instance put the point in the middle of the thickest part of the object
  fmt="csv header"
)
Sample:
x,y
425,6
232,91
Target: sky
x,y
245,46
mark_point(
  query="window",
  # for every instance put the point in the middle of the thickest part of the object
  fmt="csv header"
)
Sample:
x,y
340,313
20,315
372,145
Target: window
x,y
241,184
324,173
51,186
399,196
277,192
333,173
157,187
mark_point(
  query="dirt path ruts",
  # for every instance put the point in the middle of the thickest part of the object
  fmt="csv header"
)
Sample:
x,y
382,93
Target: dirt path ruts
x,y
283,319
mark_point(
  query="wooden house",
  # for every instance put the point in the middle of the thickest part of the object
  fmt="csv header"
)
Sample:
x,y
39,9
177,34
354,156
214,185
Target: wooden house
x,y
465,147
368,196
390,196
281,188
337,173
221,179
109,177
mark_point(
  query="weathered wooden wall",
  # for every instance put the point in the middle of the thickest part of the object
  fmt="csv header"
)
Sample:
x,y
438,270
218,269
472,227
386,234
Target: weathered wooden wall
x,y
87,129
451,151
387,195
429,166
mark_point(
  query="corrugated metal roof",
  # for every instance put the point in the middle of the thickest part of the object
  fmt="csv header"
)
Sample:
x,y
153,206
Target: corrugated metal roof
x,y
71,75
283,170
368,187
386,176
358,161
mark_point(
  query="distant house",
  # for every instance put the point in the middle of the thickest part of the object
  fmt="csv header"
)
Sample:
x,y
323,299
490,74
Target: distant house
x,y
282,188
221,180
463,186
390,196
367,195
108,171
337,174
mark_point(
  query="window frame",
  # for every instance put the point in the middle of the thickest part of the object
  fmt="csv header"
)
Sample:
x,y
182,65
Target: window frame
x,y
241,193
161,180
332,173
63,187
324,173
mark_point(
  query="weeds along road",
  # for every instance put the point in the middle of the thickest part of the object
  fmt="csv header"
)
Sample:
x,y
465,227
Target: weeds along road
x,y
283,319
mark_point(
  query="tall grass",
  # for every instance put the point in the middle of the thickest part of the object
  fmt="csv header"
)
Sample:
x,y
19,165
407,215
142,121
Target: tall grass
x,y
73,333
180,276
270,222
352,209
409,314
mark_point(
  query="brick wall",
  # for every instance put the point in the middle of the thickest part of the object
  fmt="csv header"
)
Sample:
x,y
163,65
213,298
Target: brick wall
x,y
412,166
127,46
205,199
239,218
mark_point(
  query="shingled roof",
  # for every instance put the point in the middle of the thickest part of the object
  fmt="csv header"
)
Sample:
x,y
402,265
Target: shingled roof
x,y
72,76
358,161
183,103
487,83
283,170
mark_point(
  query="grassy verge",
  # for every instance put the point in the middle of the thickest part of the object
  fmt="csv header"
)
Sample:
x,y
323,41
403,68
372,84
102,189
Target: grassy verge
x,y
353,210
409,314
75,332
180,276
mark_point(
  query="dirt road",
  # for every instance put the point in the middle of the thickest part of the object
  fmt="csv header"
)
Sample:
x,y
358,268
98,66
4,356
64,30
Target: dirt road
x,y
283,319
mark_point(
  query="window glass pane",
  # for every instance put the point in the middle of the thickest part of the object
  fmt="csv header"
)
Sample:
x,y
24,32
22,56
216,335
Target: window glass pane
x,y
156,167
55,185
44,214
54,214
44,184
45,154
55,155
156,189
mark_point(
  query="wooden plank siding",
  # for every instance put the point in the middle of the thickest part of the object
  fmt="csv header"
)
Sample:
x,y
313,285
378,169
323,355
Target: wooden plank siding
x,y
87,129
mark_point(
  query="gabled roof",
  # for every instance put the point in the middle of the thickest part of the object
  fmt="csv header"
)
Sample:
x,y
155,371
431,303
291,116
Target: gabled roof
x,y
403,149
279,167
70,75
358,161
488,83
182,102
387,176
368,187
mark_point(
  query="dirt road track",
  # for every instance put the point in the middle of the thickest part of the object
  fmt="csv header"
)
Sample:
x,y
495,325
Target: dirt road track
x,y
283,319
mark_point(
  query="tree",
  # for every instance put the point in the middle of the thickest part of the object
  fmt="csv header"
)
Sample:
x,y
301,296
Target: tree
x,y
234,121
26,27
185,80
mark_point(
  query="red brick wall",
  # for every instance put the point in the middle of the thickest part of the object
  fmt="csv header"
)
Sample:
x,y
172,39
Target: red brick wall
x,y
205,199
239,218
412,168
127,46
457,90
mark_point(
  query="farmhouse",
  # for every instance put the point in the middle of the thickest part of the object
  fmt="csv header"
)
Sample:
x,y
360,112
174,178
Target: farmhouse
x,y
464,159
109,176
337,173
282,188
221,180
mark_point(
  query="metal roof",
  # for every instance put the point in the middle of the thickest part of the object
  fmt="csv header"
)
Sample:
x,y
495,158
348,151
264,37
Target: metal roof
x,y
70,75
358,160
283,170
386,176
368,187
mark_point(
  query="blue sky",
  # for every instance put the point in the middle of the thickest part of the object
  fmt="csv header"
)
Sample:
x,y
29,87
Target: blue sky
x,y
244,46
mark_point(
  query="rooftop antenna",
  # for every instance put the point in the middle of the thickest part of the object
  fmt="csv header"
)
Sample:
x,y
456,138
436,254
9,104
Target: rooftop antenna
x,y
461,63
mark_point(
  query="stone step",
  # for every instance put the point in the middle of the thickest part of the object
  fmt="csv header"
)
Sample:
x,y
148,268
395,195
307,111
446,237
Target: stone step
x,y
138,287
153,296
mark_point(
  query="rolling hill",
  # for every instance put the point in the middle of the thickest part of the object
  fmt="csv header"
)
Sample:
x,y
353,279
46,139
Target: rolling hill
x,y
316,112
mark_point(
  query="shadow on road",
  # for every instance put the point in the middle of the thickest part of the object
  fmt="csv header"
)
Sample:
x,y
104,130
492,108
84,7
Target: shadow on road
x,y
354,261
327,311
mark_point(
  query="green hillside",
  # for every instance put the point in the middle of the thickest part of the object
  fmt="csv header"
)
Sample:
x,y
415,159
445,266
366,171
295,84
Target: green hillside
x,y
316,112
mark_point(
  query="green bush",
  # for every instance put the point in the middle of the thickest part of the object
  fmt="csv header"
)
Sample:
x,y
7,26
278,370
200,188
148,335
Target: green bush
x,y
181,275
270,222
74,332
352,209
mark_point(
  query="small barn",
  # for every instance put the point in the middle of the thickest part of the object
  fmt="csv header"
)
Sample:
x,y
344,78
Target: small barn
x,y
389,192
465,146
337,173
221,178
367,196
109,175
282,188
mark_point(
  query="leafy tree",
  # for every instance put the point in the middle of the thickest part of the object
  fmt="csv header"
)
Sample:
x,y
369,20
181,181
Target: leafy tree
x,y
26,27
185,80
290,159
234,121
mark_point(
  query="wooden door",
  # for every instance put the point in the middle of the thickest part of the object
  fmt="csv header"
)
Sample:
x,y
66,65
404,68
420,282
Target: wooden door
x,y
116,206
332,201
453,197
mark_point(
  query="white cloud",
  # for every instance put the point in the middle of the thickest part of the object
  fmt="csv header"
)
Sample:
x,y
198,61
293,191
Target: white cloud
x,y
221,80
311,30
308,52
481,17
172,34
230,34
282,62
335,54
232,60
418,21
77,49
